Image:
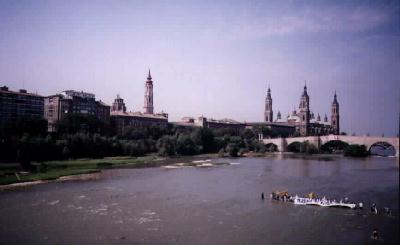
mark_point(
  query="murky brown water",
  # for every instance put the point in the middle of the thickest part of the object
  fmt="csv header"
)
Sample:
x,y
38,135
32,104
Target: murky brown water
x,y
215,205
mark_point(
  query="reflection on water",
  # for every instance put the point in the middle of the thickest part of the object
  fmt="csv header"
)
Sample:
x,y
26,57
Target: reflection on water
x,y
209,205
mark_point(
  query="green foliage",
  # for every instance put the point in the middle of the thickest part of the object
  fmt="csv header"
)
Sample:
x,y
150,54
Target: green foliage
x,y
82,136
356,151
144,132
248,134
271,148
221,152
334,145
186,146
31,126
204,138
242,151
309,148
232,149
303,147
65,152
268,132
166,146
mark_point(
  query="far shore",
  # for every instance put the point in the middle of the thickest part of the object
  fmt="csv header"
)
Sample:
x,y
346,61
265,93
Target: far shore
x,y
12,177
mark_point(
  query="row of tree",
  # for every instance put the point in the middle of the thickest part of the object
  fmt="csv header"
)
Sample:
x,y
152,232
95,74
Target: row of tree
x,y
86,137
81,136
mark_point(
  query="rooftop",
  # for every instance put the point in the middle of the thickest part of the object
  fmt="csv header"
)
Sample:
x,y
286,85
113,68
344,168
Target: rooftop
x,y
137,114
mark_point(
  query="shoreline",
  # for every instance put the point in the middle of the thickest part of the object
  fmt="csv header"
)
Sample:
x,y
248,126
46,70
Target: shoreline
x,y
75,177
153,161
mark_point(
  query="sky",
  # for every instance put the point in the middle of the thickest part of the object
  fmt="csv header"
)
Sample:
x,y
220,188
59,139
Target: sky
x,y
212,58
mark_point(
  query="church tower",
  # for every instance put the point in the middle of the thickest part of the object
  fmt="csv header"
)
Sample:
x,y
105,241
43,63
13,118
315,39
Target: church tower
x,y
118,105
304,112
335,115
268,113
148,95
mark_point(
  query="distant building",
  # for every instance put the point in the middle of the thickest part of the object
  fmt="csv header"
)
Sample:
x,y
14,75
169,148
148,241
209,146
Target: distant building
x,y
16,105
121,119
268,113
303,121
148,95
102,111
56,107
210,123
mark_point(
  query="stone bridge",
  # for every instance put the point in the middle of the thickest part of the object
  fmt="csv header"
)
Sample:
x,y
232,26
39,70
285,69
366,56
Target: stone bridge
x,y
318,141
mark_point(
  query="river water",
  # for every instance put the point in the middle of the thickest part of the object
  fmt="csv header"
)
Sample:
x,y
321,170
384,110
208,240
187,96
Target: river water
x,y
209,205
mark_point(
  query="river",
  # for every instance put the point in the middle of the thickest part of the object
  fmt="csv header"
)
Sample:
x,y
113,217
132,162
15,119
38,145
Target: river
x,y
209,205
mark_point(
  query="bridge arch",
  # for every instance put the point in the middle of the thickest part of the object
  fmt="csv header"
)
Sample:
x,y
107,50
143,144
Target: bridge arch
x,y
319,141
382,148
271,147
294,146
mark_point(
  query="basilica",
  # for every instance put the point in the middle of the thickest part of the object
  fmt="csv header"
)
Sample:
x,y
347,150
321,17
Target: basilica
x,y
303,121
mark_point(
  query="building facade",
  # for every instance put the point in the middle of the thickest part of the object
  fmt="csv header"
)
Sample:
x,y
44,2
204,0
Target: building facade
x,y
56,107
210,123
16,105
303,121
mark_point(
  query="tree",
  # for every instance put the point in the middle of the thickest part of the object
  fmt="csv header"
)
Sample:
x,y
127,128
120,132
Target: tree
x,y
166,146
307,147
271,147
32,126
65,152
333,145
185,145
204,138
248,134
232,149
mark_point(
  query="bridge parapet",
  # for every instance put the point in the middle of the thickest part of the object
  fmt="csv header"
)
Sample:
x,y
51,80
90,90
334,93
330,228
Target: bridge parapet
x,y
318,141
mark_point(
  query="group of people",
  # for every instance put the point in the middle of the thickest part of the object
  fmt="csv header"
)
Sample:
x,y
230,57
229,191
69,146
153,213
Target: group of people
x,y
280,196
374,210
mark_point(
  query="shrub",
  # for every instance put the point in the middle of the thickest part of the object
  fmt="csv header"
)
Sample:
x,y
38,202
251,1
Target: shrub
x,y
221,152
232,149
185,145
166,146
356,151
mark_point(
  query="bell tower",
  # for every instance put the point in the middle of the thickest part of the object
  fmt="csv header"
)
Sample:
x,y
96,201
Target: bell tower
x,y
268,113
304,112
148,95
335,115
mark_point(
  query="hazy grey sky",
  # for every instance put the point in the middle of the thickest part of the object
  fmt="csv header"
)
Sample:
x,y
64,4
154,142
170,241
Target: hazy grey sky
x,y
212,58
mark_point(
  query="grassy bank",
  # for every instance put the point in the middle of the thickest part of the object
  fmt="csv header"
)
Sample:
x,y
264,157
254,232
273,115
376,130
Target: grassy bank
x,y
13,173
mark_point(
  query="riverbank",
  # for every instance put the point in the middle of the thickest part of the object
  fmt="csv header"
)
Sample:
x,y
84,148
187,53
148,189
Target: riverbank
x,y
12,175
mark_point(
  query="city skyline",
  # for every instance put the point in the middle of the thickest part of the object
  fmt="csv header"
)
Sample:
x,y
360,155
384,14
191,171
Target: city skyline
x,y
212,58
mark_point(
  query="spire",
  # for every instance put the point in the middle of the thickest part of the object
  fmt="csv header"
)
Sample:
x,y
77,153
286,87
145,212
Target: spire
x,y
335,98
149,76
279,116
305,88
326,118
269,89
318,118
